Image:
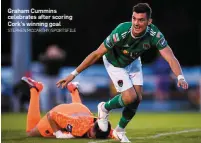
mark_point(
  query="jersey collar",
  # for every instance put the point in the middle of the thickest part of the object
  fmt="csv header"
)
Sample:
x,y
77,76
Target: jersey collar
x,y
139,36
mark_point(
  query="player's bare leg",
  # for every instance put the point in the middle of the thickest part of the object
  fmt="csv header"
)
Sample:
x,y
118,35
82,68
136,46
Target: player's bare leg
x,y
33,115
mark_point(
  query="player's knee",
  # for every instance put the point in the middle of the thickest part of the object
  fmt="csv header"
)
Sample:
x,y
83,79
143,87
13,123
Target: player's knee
x,y
134,105
129,98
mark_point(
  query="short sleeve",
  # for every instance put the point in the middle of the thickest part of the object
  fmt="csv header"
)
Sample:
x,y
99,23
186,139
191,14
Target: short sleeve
x,y
113,39
159,41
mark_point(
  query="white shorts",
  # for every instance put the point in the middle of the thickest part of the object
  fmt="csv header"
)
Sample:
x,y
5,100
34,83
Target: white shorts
x,y
125,78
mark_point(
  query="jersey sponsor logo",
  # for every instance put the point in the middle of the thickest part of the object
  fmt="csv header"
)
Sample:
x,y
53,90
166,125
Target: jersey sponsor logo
x,y
163,42
115,37
125,52
146,46
120,83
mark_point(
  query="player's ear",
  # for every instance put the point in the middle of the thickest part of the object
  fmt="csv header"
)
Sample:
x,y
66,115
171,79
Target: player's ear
x,y
150,21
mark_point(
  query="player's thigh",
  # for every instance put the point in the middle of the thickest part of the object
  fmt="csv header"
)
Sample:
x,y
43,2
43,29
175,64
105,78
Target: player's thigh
x,y
129,96
138,90
119,77
137,81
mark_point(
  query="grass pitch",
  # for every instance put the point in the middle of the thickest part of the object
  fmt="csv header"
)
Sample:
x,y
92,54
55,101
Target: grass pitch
x,y
144,128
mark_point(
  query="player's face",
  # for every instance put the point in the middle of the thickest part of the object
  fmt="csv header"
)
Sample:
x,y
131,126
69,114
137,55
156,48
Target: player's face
x,y
139,23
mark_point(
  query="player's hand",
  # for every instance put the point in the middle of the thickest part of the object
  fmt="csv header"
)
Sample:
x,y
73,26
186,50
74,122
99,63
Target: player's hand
x,y
182,83
64,82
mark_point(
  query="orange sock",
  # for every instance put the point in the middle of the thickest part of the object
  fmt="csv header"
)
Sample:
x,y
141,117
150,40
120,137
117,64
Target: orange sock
x,y
76,97
33,116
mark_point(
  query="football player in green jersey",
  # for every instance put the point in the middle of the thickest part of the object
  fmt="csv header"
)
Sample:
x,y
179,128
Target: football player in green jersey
x,y
121,52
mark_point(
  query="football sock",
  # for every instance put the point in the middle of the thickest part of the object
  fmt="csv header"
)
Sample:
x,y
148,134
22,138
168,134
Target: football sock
x,y
128,113
33,115
114,103
76,97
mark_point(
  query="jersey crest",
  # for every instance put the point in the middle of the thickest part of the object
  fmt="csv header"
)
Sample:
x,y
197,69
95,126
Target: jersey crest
x,y
146,46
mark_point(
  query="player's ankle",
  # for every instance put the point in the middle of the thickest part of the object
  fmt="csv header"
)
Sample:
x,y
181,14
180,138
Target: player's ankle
x,y
34,87
119,129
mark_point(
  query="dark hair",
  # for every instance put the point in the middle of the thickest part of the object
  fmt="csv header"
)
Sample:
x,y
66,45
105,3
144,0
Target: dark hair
x,y
99,133
143,8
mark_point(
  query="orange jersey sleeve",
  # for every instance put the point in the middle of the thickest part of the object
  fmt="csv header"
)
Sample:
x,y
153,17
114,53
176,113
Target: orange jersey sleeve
x,y
77,125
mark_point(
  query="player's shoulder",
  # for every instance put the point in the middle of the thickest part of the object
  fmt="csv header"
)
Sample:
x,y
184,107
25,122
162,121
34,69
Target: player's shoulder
x,y
154,30
153,26
158,38
123,27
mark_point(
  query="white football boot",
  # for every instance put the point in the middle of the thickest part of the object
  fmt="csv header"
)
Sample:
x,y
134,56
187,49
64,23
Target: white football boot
x,y
102,118
121,136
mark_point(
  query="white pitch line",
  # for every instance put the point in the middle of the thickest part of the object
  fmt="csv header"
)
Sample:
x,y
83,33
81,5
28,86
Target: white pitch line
x,y
154,136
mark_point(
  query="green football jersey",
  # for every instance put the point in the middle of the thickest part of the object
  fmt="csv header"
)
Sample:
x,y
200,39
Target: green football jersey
x,y
124,48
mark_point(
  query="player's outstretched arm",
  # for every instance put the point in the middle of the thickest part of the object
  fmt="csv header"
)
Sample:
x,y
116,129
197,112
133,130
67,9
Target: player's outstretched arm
x,y
168,55
88,61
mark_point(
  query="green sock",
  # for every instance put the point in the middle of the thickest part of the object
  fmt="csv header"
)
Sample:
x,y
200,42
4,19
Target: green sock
x,y
128,113
115,103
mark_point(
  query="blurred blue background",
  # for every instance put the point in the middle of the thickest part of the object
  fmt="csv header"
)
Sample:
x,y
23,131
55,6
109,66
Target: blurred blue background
x,y
96,86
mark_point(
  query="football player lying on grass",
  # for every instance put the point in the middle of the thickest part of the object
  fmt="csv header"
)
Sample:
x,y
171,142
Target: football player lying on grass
x,y
63,121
